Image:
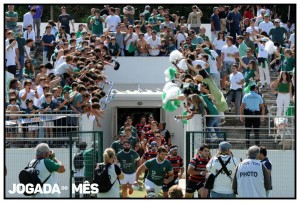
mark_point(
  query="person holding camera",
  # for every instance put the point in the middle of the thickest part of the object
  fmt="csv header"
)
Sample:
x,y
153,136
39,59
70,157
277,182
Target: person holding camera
x,y
47,165
222,185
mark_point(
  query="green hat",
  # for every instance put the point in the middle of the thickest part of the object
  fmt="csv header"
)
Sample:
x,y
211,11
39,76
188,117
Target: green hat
x,y
66,88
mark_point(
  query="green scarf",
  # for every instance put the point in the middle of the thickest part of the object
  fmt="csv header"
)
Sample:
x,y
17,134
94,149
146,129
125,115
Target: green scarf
x,y
207,51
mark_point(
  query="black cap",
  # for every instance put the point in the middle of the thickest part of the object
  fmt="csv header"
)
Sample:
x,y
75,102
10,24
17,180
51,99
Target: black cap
x,y
252,87
182,18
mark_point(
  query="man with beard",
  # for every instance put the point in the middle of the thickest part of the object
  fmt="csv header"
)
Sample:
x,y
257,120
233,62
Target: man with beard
x,y
157,168
177,164
118,144
128,159
197,172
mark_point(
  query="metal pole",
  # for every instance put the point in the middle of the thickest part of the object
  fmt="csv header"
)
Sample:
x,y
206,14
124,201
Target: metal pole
x,y
51,12
289,12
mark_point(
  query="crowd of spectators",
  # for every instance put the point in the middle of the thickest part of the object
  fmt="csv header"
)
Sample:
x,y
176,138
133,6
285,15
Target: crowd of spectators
x,y
70,76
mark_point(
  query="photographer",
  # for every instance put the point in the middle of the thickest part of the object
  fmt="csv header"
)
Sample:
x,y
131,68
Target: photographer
x,y
47,165
222,185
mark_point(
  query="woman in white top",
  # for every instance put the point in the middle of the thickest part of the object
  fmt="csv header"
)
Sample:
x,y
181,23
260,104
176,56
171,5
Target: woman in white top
x,y
114,172
219,42
29,33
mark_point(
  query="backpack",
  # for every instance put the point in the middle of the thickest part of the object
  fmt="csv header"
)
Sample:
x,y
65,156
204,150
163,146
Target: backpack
x,y
102,178
29,175
78,161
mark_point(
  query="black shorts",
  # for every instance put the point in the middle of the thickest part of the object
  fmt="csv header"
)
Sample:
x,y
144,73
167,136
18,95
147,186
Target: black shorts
x,y
192,186
165,188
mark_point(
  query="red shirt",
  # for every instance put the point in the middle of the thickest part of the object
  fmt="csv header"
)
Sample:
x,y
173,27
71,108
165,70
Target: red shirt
x,y
199,164
248,14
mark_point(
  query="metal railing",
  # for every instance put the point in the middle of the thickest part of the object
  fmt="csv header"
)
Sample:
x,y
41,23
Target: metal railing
x,y
286,130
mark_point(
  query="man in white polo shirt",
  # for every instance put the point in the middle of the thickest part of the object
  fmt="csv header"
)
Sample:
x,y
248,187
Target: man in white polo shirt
x,y
236,79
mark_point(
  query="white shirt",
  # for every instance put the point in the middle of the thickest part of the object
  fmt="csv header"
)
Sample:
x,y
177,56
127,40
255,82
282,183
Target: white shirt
x,y
262,53
27,50
112,20
29,35
10,54
289,30
180,38
229,50
27,19
146,36
62,68
266,27
222,182
234,79
60,61
30,95
43,174
199,62
250,30
219,43
133,39
292,39
250,179
154,44
213,63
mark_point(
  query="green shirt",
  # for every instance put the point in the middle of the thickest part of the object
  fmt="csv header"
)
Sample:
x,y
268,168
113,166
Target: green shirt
x,y
211,107
11,15
243,49
133,142
284,87
78,34
51,165
288,63
89,22
97,27
21,44
278,34
90,158
157,171
153,20
250,44
249,74
128,161
117,146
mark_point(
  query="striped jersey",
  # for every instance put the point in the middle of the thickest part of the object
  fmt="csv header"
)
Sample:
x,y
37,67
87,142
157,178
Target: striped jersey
x,y
177,164
150,154
139,127
147,127
199,164
148,135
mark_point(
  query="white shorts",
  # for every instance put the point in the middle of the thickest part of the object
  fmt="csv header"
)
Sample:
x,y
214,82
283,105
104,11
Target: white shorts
x,y
49,123
149,184
32,127
128,178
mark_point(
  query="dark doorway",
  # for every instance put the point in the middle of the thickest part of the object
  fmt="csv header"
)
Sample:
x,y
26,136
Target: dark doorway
x,y
136,114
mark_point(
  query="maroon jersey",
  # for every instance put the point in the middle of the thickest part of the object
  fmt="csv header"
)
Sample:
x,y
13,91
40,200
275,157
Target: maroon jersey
x,y
139,127
199,164
148,135
177,164
147,127
150,154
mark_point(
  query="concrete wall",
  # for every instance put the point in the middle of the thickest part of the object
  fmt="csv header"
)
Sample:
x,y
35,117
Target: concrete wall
x,y
283,173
